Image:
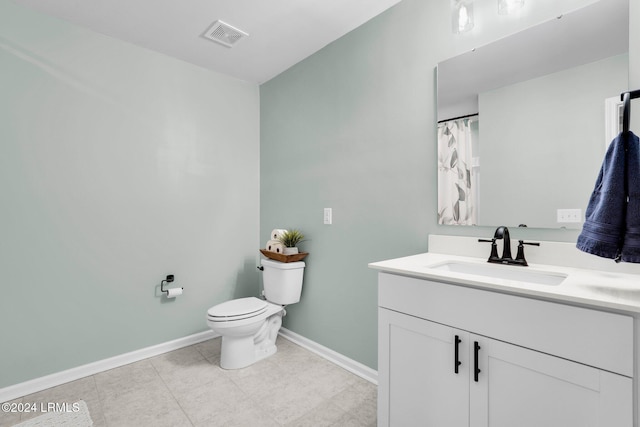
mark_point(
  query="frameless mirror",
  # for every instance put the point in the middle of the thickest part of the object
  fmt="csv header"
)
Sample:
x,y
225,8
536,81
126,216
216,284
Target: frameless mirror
x,y
524,122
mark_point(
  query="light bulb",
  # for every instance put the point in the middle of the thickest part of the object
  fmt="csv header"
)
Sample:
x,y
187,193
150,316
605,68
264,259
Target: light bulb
x,y
462,16
505,7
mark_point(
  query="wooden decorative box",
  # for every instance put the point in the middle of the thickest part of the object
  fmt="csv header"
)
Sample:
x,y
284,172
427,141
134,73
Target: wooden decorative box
x,y
282,257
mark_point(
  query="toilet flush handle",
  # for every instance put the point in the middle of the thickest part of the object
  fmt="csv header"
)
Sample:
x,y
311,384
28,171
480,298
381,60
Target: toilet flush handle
x,y
261,268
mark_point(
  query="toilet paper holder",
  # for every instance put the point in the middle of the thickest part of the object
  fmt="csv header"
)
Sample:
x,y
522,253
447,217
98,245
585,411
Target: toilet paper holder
x,y
169,279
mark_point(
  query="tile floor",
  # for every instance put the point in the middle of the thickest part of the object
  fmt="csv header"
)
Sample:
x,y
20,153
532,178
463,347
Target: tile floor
x,y
186,387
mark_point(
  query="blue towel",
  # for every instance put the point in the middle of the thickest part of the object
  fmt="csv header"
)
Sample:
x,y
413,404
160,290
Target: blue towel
x,y
612,225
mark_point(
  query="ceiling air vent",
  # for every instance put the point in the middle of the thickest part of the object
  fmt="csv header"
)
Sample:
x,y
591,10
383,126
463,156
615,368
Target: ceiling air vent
x,y
225,34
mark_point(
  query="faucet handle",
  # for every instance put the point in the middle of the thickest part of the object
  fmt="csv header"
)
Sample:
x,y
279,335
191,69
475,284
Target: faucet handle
x,y
520,256
494,249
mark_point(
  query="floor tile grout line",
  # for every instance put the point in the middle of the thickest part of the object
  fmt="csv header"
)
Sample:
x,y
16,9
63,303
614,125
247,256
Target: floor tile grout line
x,y
95,384
249,397
173,396
145,385
252,398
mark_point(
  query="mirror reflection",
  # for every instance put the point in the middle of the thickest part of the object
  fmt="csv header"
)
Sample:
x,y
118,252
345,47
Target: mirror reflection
x,y
524,122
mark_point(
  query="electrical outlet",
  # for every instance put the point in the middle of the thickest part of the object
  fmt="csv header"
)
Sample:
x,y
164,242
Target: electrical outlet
x,y
569,215
328,216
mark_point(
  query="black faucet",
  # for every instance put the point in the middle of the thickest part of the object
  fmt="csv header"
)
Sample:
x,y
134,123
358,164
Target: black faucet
x,y
502,233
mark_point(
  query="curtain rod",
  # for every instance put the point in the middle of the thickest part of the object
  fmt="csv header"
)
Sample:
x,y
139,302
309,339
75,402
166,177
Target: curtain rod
x,y
462,117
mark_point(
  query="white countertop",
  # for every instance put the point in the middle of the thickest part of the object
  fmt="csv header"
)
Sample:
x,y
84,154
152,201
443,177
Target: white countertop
x,y
594,288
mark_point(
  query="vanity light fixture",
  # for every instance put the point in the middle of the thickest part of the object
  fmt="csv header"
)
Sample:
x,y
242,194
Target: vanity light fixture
x,y
462,16
505,7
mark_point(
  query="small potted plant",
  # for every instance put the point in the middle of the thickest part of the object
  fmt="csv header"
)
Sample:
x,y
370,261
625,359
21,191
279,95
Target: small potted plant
x,y
290,239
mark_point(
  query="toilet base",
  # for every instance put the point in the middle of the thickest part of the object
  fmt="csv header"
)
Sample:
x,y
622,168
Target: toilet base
x,y
263,353
237,352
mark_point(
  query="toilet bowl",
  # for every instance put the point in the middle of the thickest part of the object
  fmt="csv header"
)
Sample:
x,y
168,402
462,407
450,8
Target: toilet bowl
x,y
249,326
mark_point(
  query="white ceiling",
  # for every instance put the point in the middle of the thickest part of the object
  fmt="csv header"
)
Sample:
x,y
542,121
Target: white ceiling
x,y
281,32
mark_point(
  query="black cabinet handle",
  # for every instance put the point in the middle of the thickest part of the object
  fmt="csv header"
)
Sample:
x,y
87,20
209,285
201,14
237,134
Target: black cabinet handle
x,y
476,370
456,361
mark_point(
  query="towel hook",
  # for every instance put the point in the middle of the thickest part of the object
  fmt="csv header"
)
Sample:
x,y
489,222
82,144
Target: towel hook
x,y
626,111
626,98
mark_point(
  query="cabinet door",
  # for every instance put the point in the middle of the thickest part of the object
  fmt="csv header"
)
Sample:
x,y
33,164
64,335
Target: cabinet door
x,y
526,388
418,383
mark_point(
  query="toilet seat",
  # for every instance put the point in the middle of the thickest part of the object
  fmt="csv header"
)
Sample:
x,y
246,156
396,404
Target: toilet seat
x,y
237,309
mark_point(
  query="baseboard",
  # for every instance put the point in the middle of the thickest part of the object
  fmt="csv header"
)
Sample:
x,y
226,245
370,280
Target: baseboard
x,y
38,384
42,383
350,365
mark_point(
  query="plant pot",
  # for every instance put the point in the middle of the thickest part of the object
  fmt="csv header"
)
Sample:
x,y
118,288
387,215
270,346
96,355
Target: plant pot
x,y
290,251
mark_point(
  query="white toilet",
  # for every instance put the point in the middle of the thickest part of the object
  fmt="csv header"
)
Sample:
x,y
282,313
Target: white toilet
x,y
249,326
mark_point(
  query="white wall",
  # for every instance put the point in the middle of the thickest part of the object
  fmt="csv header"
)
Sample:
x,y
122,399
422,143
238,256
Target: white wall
x,y
118,166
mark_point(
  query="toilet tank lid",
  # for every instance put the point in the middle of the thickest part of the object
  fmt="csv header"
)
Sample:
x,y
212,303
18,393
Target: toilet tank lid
x,y
282,265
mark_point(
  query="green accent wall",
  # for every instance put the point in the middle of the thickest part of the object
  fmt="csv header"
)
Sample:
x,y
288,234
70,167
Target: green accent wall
x,y
353,127
118,166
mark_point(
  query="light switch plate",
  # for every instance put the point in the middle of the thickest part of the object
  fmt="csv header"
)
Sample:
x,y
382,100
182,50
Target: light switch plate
x,y
328,216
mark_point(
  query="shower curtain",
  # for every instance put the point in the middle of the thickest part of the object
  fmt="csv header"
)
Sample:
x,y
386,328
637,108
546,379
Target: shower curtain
x,y
457,182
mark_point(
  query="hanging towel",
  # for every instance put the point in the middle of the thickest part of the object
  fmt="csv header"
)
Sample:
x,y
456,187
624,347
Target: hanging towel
x,y
612,225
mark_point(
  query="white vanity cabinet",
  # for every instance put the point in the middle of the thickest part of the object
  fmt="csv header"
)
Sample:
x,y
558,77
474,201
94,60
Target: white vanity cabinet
x,y
416,381
520,361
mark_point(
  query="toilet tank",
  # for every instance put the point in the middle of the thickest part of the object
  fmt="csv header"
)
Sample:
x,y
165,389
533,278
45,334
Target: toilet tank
x,y
282,281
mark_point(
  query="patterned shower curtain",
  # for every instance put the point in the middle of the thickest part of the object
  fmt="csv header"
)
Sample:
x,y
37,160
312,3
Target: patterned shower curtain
x,y
457,189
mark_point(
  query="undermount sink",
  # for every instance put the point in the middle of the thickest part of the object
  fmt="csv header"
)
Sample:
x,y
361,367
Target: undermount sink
x,y
520,274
